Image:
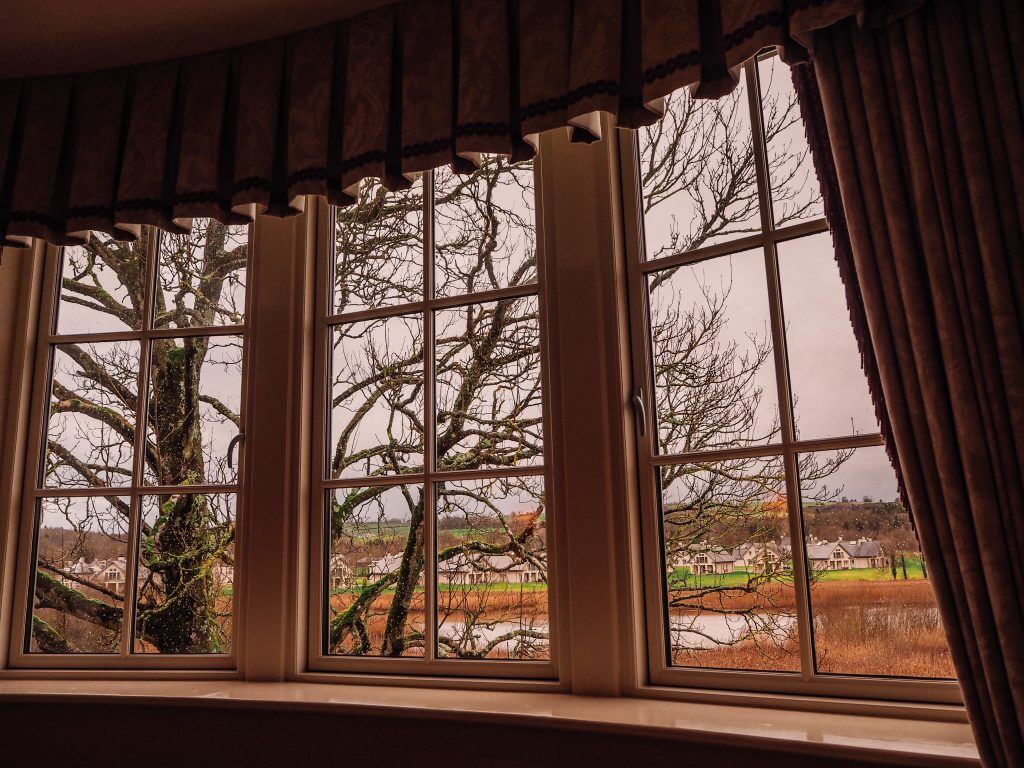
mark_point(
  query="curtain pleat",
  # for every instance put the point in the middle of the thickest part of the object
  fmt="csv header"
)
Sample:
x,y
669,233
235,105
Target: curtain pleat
x,y
389,94
924,119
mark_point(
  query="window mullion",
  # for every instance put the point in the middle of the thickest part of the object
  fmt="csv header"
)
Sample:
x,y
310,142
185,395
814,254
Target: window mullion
x,y
785,400
275,454
429,438
139,464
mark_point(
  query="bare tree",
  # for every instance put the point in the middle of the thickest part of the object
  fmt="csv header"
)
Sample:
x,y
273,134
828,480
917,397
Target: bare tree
x,y
184,537
697,169
486,375
698,174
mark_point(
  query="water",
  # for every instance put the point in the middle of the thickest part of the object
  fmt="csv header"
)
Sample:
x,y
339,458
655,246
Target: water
x,y
712,630
482,634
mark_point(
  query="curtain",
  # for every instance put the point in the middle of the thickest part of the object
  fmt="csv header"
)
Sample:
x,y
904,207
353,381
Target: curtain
x,y
388,94
926,122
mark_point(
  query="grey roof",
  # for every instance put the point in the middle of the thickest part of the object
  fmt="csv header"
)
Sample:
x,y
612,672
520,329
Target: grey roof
x,y
862,548
822,551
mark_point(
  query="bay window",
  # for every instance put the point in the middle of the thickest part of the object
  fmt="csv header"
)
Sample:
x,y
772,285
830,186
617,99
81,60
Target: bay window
x,y
594,422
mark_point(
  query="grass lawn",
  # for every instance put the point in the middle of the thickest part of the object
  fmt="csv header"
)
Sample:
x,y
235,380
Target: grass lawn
x,y
687,580
914,571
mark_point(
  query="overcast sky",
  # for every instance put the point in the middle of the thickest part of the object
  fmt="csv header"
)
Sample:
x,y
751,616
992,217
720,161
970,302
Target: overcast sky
x,y
827,380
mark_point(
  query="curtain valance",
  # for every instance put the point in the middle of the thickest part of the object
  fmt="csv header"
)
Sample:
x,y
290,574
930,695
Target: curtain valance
x,y
402,89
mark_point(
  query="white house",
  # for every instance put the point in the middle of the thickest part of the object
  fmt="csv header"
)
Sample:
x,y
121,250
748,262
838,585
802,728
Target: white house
x,y
846,555
223,574
760,557
704,559
487,569
340,573
111,574
464,568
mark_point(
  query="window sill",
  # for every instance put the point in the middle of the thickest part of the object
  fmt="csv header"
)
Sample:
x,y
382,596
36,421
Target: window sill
x,y
887,740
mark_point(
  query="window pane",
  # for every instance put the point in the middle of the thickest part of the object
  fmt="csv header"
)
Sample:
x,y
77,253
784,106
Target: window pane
x,y
714,373
201,276
484,228
186,574
796,195
697,174
195,402
830,392
91,428
80,576
377,397
378,249
731,601
375,602
871,599
488,385
102,286
492,593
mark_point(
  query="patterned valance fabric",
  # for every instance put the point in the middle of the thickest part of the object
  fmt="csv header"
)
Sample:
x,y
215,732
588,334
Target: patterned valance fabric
x,y
402,89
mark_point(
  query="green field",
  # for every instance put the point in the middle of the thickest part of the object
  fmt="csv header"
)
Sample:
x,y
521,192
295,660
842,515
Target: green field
x,y
914,571
500,586
683,578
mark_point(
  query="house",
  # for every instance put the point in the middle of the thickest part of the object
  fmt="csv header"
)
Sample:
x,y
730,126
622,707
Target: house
x,y
464,568
110,574
843,555
382,566
223,574
487,569
340,574
760,557
80,569
704,559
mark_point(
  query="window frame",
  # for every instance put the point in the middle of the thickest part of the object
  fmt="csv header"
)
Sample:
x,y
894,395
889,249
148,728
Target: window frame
x,y
30,492
325,319
660,673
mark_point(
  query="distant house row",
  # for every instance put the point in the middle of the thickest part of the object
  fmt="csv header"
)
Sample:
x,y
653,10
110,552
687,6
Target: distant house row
x,y
767,557
462,569
112,573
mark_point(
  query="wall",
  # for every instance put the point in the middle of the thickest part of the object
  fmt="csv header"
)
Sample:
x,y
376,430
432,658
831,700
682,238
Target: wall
x,y
11,262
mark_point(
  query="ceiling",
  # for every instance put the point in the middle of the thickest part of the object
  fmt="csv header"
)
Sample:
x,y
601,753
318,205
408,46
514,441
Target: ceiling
x,y
47,37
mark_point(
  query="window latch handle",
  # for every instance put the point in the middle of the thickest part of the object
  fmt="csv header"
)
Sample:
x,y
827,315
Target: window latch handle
x,y
640,410
231,448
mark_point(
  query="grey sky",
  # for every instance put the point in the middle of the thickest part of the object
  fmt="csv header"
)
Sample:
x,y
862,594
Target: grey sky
x,y
827,380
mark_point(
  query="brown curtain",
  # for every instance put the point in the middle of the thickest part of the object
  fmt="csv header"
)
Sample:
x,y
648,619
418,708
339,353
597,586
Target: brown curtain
x,y
926,122
398,90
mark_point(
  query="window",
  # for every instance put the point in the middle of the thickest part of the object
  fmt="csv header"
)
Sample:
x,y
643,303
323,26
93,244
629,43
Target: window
x,y
131,514
612,471
775,544
430,495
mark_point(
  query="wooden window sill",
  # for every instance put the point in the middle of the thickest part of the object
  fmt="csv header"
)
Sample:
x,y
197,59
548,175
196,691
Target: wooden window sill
x,y
889,740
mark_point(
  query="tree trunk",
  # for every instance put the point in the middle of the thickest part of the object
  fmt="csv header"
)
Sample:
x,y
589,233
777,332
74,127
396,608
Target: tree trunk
x,y
405,587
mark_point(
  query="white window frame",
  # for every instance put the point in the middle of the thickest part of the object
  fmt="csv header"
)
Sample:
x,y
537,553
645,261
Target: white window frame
x,y
429,664
661,673
42,324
